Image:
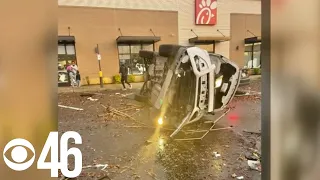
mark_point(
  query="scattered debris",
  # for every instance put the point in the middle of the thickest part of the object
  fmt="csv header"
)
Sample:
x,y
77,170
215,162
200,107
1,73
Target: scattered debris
x,y
127,109
69,107
104,177
216,154
257,156
251,156
125,169
252,132
255,165
247,93
91,99
257,152
113,112
86,94
240,177
234,175
125,95
148,142
135,176
153,175
103,166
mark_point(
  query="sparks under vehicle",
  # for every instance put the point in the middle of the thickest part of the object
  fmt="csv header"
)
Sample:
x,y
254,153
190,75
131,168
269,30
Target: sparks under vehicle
x,y
185,83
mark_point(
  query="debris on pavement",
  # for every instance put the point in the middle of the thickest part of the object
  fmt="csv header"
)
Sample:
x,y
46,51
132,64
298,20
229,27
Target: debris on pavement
x,y
148,142
241,158
69,107
153,175
87,94
256,152
216,154
102,166
104,177
247,93
113,112
251,156
91,99
125,95
252,132
255,165
173,161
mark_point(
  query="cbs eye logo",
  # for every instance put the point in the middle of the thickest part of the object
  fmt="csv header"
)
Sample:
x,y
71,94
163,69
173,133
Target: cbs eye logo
x,y
19,154
56,148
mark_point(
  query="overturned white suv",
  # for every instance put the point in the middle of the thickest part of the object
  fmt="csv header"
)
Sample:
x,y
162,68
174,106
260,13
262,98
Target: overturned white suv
x,y
182,84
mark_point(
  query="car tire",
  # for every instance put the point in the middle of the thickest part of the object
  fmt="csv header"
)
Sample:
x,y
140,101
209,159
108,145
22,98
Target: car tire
x,y
141,98
147,54
168,50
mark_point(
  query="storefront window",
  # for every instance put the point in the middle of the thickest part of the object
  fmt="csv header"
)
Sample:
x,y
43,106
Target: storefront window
x,y
147,47
252,55
66,54
70,49
61,49
129,55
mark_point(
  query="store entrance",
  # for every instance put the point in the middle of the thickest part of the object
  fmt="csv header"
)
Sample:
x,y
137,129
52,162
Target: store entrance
x,y
252,55
66,55
63,76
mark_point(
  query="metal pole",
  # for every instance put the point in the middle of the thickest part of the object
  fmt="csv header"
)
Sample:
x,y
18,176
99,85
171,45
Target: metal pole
x,y
100,72
252,55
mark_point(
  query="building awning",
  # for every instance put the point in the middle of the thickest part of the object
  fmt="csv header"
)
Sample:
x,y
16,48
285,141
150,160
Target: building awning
x,y
138,39
66,39
252,40
208,39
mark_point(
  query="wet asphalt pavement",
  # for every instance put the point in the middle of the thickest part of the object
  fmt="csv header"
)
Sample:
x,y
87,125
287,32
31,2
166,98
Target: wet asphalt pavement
x,y
133,152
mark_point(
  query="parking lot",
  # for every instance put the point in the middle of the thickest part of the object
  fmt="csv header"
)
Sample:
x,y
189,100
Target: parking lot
x,y
112,126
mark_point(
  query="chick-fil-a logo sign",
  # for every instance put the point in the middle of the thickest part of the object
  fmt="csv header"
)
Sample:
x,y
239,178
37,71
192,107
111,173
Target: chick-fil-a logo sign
x,y
206,12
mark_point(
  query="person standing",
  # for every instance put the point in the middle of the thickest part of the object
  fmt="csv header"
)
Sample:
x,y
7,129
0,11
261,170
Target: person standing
x,y
124,76
74,66
78,79
74,69
70,73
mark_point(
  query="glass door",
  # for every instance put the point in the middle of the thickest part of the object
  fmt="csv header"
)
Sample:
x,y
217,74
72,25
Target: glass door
x,y
63,76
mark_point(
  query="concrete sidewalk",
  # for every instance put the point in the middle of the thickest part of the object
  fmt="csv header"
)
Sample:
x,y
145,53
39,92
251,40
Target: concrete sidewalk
x,y
255,77
96,88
